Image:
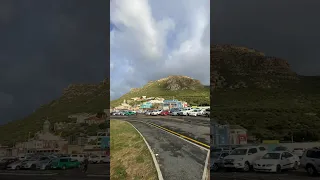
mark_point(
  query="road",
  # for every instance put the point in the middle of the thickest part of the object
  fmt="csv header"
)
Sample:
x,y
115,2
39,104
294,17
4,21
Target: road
x,y
178,158
95,172
197,128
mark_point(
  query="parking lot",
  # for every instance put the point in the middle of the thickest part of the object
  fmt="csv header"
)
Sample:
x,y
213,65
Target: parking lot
x,y
94,171
289,175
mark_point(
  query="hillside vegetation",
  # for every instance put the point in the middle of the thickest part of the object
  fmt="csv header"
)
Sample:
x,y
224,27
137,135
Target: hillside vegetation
x,y
78,98
263,95
178,87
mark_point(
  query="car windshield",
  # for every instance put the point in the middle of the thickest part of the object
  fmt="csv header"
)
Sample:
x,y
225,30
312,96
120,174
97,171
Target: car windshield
x,y
239,152
271,156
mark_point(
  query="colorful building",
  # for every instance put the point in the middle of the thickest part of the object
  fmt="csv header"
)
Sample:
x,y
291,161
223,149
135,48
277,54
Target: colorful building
x,y
173,103
146,105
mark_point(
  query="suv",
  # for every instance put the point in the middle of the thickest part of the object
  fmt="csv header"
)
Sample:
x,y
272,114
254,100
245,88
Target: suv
x,y
310,160
207,112
243,157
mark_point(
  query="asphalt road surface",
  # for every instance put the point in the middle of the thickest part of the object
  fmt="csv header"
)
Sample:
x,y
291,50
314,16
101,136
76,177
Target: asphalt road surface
x,y
178,159
95,172
300,175
197,128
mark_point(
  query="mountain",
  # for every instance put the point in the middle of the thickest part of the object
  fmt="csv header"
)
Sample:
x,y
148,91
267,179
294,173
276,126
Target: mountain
x,y
263,94
177,87
77,98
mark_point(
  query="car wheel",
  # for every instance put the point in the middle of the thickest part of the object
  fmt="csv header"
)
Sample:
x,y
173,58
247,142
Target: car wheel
x,y
296,165
278,169
33,167
64,167
311,170
17,168
215,167
246,167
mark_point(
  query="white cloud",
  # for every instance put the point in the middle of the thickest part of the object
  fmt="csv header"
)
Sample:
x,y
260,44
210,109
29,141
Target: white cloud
x,y
154,39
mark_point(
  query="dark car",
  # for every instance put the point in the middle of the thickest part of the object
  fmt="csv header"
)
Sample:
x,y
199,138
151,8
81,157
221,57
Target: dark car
x,y
6,161
165,113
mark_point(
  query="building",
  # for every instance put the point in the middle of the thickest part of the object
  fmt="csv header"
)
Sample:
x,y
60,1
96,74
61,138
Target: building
x,y
95,120
238,135
227,134
80,117
146,105
43,142
173,103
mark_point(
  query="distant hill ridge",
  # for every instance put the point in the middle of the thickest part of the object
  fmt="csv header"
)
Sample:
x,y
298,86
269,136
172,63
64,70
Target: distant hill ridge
x,y
239,67
179,87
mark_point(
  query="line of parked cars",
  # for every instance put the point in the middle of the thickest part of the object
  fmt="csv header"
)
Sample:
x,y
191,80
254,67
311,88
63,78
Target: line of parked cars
x,y
180,112
257,158
52,161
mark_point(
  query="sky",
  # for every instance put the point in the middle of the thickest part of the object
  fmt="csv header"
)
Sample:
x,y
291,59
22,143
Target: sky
x,y
154,39
47,45
286,29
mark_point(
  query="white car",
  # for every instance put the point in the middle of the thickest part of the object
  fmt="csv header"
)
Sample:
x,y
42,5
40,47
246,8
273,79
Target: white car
x,y
195,112
44,165
243,157
175,113
15,165
185,111
78,157
32,162
310,161
277,161
156,112
99,159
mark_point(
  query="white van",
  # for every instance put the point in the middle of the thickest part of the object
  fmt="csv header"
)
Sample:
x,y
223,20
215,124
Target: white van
x,y
243,157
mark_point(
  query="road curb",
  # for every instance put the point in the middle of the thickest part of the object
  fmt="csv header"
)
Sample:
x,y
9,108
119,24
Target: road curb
x,y
206,175
29,174
156,164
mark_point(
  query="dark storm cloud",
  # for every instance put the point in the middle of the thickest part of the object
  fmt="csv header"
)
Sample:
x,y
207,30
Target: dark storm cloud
x,y
287,29
46,45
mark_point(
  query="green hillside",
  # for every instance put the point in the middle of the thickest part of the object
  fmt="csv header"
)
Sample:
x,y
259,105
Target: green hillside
x,y
264,95
79,98
178,87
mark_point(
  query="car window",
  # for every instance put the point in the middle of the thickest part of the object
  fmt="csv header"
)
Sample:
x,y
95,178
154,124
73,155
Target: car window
x,y
313,154
103,156
253,150
262,148
63,160
288,155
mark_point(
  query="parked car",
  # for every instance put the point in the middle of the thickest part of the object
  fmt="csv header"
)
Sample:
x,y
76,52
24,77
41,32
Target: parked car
x,y
156,112
99,159
148,112
281,148
185,111
207,112
243,157
6,161
175,113
65,163
78,157
129,113
44,165
165,113
16,165
310,161
298,151
32,162
194,112
277,161
216,160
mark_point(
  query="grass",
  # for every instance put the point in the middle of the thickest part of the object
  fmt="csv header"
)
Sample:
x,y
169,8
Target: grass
x,y
130,157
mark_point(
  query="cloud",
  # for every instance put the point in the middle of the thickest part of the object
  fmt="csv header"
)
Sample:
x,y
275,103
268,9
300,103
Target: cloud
x,y
153,39
6,100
